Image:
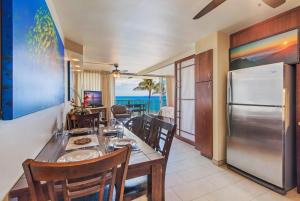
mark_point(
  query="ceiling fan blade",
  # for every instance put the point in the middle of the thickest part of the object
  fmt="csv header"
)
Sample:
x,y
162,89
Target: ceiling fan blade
x,y
212,5
274,3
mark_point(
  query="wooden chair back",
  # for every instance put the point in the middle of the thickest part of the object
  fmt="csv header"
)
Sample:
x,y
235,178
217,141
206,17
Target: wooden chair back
x,y
78,179
135,125
84,121
146,127
161,137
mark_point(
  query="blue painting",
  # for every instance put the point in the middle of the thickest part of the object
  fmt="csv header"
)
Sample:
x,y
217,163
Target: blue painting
x,y
33,59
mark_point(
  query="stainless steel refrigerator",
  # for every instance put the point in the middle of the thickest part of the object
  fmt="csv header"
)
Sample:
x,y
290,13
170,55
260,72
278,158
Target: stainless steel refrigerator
x,y
261,124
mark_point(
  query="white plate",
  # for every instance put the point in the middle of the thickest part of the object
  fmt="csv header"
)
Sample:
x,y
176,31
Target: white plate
x,y
79,155
123,142
80,130
71,145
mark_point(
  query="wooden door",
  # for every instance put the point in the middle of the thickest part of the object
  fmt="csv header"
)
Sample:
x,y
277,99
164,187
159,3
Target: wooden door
x,y
204,66
204,118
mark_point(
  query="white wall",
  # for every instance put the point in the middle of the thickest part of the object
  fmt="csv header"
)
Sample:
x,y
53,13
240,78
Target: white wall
x,y
24,137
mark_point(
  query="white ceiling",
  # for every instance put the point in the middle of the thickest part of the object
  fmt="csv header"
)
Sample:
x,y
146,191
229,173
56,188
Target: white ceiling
x,y
168,70
141,33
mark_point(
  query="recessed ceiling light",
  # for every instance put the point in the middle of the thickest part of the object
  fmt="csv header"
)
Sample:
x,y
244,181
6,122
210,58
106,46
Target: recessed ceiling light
x,y
77,70
77,66
75,59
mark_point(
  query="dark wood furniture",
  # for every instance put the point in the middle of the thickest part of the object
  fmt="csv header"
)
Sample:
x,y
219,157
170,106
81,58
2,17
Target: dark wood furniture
x,y
83,121
79,179
298,125
103,114
203,103
203,68
277,24
135,125
145,162
204,121
283,22
161,137
146,127
120,112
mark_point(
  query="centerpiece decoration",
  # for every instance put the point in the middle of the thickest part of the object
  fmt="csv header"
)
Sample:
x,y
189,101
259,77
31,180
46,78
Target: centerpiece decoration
x,y
81,108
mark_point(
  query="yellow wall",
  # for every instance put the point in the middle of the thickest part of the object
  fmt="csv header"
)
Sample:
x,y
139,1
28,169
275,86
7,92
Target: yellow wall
x,y
219,42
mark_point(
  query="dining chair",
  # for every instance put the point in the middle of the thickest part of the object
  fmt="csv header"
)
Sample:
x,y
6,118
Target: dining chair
x,y
84,121
135,125
92,180
161,137
120,112
146,127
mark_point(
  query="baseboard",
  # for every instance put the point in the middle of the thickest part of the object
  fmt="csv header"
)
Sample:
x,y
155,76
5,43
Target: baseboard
x,y
218,163
185,140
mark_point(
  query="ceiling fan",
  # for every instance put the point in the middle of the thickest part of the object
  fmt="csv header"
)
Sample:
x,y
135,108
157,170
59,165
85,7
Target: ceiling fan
x,y
215,3
115,65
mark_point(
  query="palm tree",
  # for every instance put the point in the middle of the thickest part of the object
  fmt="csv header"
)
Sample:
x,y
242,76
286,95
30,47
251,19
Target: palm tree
x,y
150,86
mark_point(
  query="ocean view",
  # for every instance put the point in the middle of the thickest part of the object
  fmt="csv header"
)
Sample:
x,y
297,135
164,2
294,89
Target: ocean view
x,y
154,101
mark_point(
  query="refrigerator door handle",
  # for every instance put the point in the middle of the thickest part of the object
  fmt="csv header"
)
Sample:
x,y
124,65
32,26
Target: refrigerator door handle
x,y
229,87
283,106
229,115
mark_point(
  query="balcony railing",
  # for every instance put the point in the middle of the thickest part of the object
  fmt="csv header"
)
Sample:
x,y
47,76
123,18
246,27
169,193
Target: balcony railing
x,y
140,107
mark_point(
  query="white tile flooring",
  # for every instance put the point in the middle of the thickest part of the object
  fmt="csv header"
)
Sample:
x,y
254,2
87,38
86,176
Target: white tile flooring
x,y
206,182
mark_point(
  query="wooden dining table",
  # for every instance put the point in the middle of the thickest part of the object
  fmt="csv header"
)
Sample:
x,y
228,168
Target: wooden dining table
x,y
144,161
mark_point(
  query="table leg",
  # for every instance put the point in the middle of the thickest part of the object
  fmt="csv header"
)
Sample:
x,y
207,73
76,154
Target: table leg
x,y
157,182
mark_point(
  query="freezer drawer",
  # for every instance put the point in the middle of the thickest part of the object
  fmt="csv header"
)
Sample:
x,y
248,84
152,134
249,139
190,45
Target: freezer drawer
x,y
262,85
255,142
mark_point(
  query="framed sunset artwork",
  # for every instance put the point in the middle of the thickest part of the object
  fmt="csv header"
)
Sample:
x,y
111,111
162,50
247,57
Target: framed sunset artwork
x,y
283,47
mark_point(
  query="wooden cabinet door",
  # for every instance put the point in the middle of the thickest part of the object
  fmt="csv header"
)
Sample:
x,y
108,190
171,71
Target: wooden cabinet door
x,y
204,119
204,66
298,125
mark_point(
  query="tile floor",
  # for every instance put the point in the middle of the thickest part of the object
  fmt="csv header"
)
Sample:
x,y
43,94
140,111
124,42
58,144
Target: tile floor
x,y
206,182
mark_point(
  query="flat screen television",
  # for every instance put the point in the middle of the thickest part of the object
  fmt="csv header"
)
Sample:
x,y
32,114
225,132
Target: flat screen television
x,y
94,98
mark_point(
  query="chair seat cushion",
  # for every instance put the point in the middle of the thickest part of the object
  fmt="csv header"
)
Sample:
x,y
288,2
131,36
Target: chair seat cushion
x,y
136,185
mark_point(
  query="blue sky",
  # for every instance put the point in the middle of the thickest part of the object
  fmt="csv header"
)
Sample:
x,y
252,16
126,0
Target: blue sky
x,y
125,86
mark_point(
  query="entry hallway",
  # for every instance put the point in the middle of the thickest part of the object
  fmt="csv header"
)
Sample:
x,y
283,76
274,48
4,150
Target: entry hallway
x,y
191,177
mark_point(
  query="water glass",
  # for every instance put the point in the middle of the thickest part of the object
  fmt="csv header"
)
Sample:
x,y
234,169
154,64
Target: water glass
x,y
113,122
120,130
109,146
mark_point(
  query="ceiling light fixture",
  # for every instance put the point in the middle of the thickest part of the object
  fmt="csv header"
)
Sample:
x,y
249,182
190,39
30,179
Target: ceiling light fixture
x,y
77,66
75,59
116,73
